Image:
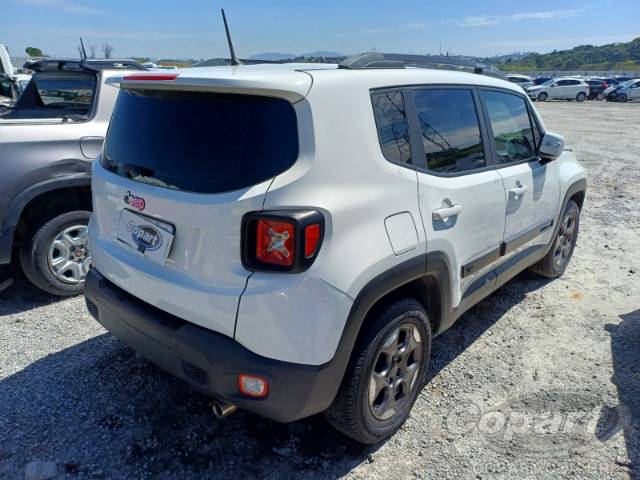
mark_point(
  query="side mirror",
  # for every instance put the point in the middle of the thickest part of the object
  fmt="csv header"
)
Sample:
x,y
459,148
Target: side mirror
x,y
551,147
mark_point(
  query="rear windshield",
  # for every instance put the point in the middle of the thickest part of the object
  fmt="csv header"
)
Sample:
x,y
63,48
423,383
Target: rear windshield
x,y
200,142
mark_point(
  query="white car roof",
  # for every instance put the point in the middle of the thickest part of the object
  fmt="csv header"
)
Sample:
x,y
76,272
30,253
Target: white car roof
x,y
294,80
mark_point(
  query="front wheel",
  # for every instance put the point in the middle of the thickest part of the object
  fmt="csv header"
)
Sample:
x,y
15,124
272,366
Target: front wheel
x,y
385,375
581,97
621,98
55,257
543,97
555,262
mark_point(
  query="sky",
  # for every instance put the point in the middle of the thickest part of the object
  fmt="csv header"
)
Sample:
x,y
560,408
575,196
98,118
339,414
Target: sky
x,y
194,29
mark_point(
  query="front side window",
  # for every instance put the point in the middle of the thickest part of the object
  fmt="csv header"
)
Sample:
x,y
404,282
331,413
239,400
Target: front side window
x,y
450,130
512,133
391,122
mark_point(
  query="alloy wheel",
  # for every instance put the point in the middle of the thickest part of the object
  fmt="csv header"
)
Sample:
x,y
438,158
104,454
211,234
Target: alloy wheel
x,y
69,259
395,371
565,239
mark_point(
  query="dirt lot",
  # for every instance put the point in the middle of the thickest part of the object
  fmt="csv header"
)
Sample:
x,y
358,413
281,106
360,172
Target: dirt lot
x,y
540,380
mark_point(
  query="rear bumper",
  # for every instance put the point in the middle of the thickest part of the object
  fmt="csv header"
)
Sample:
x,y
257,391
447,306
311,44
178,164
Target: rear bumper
x,y
210,361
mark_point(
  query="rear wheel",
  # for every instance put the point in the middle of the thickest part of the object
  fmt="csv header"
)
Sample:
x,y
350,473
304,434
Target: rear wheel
x,y
581,97
55,257
555,262
543,97
385,375
621,97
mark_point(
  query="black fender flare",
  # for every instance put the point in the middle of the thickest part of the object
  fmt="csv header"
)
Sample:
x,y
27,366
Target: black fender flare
x,y
20,201
578,186
435,265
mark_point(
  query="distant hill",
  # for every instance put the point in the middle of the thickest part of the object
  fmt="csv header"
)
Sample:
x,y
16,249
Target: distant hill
x,y
272,56
289,56
614,56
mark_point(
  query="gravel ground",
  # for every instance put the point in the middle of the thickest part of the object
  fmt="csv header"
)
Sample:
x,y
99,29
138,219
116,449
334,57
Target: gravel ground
x,y
540,380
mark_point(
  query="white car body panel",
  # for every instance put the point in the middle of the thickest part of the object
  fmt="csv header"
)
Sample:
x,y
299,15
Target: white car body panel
x,y
475,231
203,277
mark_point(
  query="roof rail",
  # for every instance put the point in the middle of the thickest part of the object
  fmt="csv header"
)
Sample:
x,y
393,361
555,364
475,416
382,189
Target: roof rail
x,y
83,64
402,60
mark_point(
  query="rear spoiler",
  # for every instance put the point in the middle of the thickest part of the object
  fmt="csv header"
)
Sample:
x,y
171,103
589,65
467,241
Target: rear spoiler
x,y
290,85
72,65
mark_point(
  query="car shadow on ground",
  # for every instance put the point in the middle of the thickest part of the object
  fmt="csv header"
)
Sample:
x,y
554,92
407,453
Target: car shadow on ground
x,y
625,353
20,295
99,409
480,318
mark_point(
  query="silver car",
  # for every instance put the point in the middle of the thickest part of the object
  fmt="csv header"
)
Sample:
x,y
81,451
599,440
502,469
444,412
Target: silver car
x,y
47,142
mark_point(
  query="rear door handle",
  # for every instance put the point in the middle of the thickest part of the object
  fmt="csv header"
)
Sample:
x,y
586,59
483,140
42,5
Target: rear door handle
x,y
517,191
443,213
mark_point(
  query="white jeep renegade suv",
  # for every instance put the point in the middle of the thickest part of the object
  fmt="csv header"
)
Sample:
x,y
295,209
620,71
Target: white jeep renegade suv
x,y
289,238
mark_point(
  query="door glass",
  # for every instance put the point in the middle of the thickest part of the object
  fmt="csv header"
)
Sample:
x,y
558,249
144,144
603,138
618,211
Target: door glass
x,y
450,130
512,133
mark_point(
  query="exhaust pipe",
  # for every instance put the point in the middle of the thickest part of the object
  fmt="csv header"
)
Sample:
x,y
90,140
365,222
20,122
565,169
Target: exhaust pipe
x,y
222,409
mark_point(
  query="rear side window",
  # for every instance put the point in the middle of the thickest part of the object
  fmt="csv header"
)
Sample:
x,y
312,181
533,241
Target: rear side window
x,y
391,122
198,141
450,130
511,125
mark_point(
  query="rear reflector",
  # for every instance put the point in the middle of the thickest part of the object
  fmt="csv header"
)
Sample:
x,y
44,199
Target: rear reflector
x,y
253,385
151,76
311,239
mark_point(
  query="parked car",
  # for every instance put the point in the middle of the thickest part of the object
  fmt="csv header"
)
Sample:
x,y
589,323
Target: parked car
x,y
523,80
596,88
12,82
560,89
625,91
257,233
47,142
541,80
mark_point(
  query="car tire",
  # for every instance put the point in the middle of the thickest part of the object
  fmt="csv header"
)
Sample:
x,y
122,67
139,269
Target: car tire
x,y
555,262
581,97
54,256
386,373
543,96
621,98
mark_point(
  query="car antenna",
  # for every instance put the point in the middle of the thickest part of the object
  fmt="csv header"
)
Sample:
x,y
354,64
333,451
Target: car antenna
x,y
84,52
234,59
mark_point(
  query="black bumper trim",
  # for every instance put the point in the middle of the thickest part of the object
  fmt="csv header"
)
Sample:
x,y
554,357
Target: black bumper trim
x,y
209,361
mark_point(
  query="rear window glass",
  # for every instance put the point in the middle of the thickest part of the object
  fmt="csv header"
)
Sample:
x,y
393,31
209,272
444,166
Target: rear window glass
x,y
200,142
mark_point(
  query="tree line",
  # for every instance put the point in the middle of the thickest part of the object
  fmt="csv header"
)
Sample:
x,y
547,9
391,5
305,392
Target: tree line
x,y
618,56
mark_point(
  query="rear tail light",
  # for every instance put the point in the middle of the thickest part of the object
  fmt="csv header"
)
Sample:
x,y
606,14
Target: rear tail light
x,y
274,242
285,241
